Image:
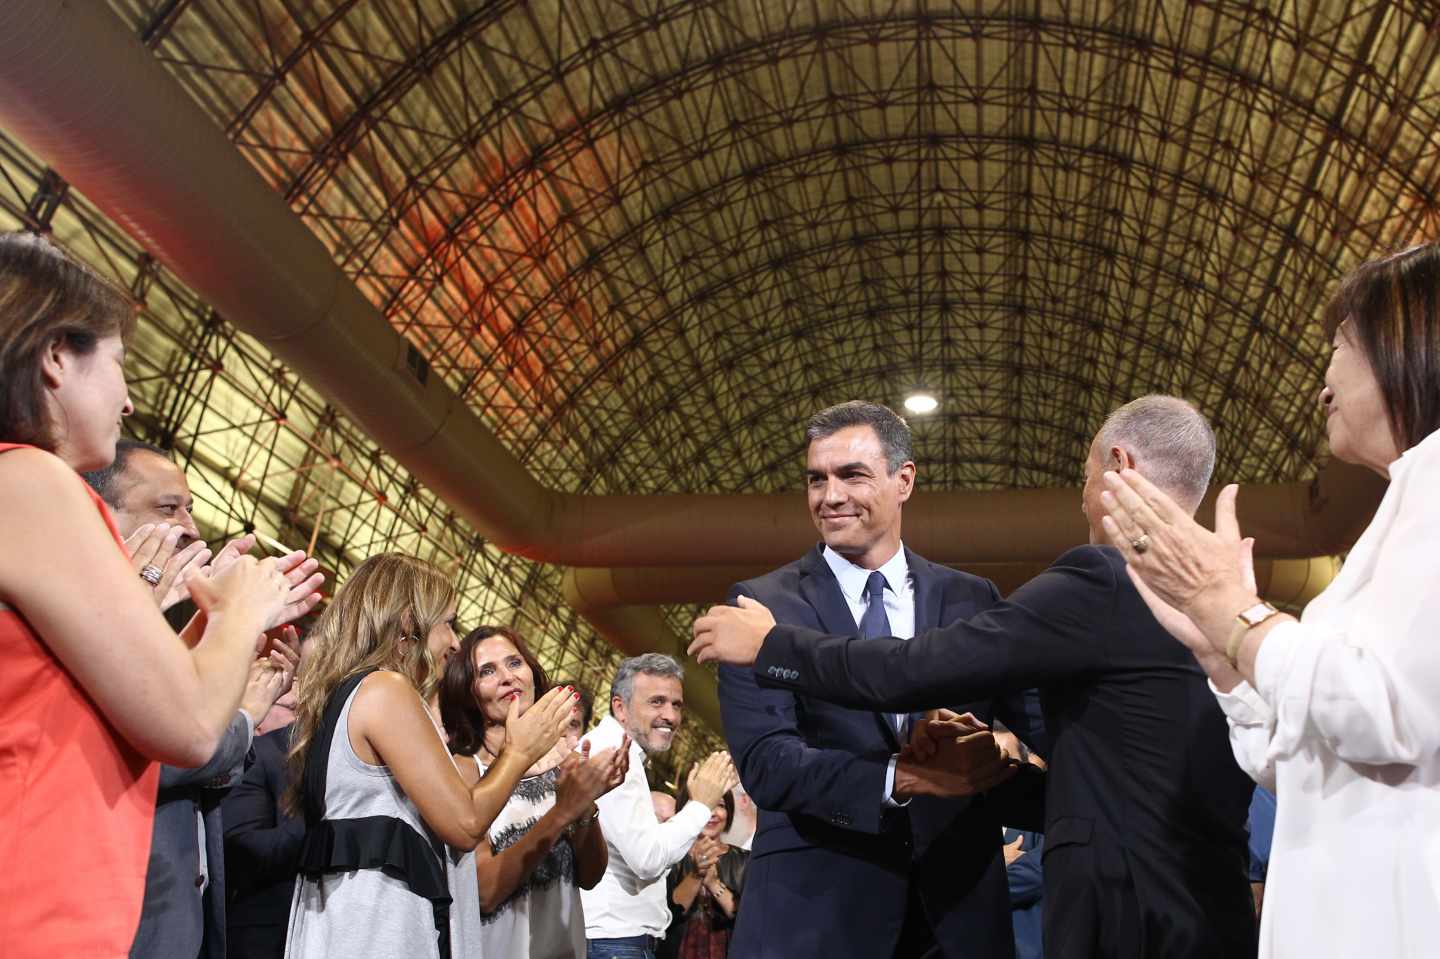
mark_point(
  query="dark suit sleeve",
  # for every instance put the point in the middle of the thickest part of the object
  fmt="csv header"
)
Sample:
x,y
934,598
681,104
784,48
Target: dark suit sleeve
x,y
227,756
261,843
783,773
1044,633
1020,710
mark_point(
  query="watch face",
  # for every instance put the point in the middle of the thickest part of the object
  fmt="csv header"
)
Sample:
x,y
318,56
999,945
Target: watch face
x,y
1258,613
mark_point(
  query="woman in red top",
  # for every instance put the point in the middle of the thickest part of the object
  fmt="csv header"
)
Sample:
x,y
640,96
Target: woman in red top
x,y
95,688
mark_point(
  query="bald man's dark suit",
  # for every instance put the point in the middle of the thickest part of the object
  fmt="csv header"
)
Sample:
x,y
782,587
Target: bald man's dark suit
x,y
1145,843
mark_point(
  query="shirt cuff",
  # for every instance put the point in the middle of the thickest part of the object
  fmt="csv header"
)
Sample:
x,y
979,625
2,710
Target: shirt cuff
x,y
694,811
1243,706
1275,659
888,801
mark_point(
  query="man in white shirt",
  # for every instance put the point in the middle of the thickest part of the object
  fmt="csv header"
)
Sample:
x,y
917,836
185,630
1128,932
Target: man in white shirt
x,y
626,913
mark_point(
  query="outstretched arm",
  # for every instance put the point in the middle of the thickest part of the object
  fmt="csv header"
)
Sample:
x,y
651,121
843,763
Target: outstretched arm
x,y
1045,632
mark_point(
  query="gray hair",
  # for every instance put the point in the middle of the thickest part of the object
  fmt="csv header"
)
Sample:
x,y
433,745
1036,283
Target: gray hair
x,y
651,664
1170,440
889,426
106,481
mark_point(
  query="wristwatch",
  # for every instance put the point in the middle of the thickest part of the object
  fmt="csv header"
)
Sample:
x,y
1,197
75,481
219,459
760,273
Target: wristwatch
x,y
583,821
1246,620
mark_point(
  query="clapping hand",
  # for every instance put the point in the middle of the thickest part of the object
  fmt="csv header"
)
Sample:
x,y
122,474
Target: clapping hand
x,y
532,734
156,559
711,779
271,674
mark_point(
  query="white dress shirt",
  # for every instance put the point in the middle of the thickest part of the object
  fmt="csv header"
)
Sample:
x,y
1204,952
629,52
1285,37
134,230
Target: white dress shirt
x,y
630,899
899,610
1345,727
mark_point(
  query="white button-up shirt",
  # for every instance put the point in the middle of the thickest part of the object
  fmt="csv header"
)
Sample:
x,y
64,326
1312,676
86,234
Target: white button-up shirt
x,y
1345,727
630,899
899,610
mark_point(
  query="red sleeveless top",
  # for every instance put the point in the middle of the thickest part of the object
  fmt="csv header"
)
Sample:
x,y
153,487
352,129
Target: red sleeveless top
x,y
77,805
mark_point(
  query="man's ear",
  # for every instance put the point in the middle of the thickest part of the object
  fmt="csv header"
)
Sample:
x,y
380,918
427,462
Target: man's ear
x,y
1120,459
906,476
617,709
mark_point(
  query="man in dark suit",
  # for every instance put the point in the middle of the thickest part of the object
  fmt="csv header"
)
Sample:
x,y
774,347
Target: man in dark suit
x,y
861,849
1145,850
262,853
183,912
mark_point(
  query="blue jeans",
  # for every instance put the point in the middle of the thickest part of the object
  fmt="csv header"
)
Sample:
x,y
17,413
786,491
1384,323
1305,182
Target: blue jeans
x,y
631,947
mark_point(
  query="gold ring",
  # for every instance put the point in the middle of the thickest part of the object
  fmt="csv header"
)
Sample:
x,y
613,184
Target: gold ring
x,y
1141,543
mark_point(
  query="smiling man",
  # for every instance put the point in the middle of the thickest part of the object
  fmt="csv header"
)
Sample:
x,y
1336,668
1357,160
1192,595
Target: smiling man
x,y
626,913
910,865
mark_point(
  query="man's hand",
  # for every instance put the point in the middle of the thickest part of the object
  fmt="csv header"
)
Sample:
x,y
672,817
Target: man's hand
x,y
711,779
1013,850
926,735
731,634
963,764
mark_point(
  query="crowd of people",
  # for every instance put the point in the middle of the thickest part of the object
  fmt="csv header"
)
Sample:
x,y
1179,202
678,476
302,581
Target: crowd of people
x,y
184,772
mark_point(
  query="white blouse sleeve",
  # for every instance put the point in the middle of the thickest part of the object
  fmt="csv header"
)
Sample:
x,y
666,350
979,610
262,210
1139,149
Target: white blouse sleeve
x,y
1364,678
1252,724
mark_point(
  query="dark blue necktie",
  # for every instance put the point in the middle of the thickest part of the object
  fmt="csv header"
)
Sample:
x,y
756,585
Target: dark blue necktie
x,y
875,624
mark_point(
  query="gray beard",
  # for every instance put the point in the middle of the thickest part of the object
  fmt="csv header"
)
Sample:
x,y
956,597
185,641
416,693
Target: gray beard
x,y
644,742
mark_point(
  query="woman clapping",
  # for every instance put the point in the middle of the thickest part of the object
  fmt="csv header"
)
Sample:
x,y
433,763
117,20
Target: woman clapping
x,y
546,844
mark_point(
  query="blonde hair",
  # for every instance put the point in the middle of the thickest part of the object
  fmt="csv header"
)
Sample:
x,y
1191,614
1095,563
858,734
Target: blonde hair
x,y
387,599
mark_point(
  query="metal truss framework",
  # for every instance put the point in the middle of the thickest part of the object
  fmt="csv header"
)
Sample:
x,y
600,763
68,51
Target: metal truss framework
x,y
645,238
265,453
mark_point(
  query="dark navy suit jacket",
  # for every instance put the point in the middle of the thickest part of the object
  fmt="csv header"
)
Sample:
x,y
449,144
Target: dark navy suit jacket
x,y
831,867
1145,844
262,852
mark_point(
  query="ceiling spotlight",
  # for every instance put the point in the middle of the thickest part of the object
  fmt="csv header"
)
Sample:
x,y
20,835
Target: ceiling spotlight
x,y
921,403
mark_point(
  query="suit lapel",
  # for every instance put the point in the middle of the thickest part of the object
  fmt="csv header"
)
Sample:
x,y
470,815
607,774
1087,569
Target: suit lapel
x,y
822,591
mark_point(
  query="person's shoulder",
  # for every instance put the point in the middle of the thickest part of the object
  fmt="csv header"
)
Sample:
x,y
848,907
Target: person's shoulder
x,y
605,735
1091,556
784,580
26,468
276,741
950,579
386,688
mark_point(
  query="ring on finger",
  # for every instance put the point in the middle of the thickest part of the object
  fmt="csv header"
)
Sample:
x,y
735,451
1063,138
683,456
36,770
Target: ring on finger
x,y
1141,543
151,574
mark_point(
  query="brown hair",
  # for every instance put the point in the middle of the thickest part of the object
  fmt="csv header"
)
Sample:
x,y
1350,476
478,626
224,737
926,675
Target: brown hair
x,y
46,297
387,599
459,710
1392,310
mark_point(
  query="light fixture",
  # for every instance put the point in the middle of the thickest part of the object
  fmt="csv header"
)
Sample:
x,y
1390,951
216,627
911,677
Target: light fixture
x,y
921,403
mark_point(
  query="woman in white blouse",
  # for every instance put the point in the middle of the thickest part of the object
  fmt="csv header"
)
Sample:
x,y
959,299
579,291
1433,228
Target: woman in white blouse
x,y
518,895
1338,712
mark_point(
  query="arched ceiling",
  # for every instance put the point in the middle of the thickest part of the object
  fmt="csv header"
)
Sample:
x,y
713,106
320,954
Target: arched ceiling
x,y
645,239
